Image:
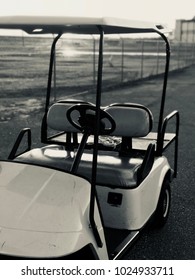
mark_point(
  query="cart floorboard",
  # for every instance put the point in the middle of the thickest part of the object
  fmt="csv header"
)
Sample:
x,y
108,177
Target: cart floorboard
x,y
118,240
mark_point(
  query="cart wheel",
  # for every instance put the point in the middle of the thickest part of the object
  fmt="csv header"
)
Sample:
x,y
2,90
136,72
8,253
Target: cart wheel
x,y
163,207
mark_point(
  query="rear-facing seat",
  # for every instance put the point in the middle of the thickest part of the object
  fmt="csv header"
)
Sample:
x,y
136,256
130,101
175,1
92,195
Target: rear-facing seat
x,y
114,170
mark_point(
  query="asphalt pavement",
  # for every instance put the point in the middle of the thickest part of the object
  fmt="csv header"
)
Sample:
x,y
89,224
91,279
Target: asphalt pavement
x,y
176,240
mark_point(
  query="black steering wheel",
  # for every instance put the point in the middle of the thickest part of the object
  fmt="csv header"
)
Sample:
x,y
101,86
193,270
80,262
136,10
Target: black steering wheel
x,y
86,120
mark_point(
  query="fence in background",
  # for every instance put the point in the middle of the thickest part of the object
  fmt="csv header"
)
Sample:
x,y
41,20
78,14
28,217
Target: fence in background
x,y
24,62
124,60
149,59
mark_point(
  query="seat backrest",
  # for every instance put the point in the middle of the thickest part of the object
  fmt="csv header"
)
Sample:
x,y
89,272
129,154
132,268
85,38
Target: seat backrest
x,y
56,116
132,120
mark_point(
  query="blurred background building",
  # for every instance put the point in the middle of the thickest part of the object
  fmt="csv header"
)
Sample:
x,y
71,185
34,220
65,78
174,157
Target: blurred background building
x,y
185,30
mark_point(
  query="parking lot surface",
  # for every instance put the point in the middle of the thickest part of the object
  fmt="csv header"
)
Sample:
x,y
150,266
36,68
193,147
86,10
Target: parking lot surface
x,y
176,240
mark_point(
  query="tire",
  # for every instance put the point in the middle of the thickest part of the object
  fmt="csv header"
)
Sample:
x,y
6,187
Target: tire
x,y
163,207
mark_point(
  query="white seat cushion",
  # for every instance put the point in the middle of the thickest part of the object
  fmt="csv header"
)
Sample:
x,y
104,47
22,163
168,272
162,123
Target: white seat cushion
x,y
112,170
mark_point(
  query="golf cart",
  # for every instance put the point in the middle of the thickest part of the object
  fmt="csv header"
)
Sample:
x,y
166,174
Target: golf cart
x,y
76,197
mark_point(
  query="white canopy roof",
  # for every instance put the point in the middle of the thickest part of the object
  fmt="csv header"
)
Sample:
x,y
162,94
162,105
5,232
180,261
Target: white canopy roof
x,y
77,25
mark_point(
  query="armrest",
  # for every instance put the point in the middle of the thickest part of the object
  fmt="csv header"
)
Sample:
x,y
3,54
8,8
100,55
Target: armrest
x,y
24,131
161,137
147,163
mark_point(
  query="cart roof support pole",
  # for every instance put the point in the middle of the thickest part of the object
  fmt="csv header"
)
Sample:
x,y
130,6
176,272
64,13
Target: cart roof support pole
x,y
96,134
161,116
52,58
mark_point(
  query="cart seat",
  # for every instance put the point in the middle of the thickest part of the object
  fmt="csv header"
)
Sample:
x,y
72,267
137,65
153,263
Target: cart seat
x,y
132,120
56,121
112,170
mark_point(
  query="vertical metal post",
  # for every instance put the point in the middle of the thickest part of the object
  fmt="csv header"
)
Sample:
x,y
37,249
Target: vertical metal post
x,y
161,115
187,32
183,54
178,55
52,57
49,82
193,43
23,44
122,58
142,60
54,76
186,44
94,58
186,54
157,61
96,136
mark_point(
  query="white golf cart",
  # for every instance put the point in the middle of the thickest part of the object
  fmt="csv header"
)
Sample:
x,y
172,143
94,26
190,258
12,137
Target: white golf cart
x,y
77,197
